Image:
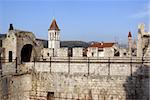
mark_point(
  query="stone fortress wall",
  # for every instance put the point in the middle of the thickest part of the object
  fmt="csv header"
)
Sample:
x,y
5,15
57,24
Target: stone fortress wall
x,y
50,74
79,78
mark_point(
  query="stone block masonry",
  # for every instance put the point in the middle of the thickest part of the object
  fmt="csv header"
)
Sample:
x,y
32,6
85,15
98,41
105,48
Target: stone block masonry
x,y
83,79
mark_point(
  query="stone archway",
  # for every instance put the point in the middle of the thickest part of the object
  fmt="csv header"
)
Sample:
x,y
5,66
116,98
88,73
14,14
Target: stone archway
x,y
26,53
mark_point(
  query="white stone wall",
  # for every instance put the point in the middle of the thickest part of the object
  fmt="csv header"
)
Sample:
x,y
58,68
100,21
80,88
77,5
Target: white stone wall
x,y
92,52
123,52
100,52
16,87
143,38
85,66
15,41
80,87
79,84
78,52
24,38
47,52
9,68
108,52
53,39
147,54
78,78
10,44
62,52
54,44
20,87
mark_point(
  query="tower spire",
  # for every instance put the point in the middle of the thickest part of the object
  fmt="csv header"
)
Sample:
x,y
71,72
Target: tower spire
x,y
54,25
130,43
129,34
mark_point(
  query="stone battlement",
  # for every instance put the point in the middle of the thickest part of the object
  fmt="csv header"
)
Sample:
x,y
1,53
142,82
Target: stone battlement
x,y
83,65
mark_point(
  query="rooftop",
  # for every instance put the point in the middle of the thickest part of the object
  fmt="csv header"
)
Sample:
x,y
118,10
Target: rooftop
x,y
101,45
54,25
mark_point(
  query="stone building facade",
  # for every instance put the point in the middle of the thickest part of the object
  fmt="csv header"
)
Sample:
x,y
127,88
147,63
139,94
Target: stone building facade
x,y
29,71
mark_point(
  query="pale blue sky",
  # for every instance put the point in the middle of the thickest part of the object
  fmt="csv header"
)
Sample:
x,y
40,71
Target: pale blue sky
x,y
87,20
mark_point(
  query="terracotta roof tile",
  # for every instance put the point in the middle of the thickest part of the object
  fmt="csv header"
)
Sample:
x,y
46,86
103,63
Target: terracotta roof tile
x,y
102,45
129,34
54,25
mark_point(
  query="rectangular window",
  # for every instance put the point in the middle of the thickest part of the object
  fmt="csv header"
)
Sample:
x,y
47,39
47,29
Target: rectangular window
x,y
92,54
70,52
10,56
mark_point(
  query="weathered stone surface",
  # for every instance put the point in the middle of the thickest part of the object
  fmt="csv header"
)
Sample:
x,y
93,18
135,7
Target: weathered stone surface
x,y
50,73
80,80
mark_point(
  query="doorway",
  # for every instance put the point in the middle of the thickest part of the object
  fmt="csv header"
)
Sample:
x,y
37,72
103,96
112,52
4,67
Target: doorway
x,y
26,53
50,96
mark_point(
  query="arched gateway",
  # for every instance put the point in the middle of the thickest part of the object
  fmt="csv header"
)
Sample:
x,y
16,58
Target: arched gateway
x,y
26,53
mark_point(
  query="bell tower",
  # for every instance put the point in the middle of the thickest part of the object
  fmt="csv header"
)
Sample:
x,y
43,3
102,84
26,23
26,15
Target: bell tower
x,y
53,36
130,43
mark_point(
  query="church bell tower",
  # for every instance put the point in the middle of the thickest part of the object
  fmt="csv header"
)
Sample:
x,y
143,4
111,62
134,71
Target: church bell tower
x,y
53,36
130,43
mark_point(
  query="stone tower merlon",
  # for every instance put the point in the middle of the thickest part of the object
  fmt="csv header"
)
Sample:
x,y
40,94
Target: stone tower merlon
x,y
130,43
53,36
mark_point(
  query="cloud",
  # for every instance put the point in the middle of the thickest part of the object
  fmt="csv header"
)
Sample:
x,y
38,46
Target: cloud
x,y
141,14
145,12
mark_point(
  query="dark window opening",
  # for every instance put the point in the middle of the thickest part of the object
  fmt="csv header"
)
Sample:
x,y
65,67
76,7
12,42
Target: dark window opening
x,y
53,52
84,52
100,50
26,53
70,52
10,56
47,54
112,98
50,96
92,54
117,54
1,43
124,54
0,63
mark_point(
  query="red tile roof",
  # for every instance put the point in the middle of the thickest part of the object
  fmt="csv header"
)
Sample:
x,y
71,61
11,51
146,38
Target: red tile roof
x,y
102,45
129,34
54,26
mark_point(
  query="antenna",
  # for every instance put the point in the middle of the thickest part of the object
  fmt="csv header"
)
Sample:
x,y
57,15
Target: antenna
x,y
116,39
53,13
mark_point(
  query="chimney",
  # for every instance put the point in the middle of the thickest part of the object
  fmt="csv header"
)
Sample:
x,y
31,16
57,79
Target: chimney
x,y
11,27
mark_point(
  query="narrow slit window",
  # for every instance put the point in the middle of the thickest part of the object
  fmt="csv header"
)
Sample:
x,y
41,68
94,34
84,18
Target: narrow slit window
x,y
10,56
